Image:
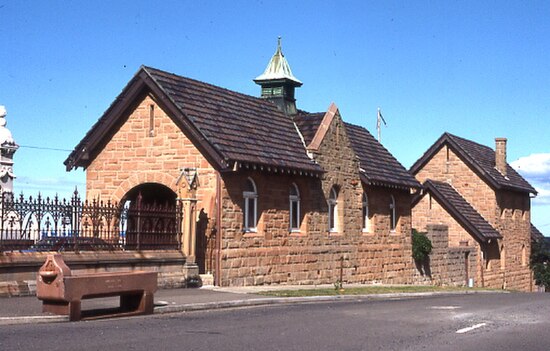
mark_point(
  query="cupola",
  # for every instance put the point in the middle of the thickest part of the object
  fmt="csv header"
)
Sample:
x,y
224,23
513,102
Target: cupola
x,y
278,82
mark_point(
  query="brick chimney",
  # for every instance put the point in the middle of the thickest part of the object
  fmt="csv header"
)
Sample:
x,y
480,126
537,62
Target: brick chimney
x,y
500,155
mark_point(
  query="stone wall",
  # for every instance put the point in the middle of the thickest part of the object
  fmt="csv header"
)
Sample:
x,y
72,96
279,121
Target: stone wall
x,y
18,270
514,224
506,261
447,266
446,166
428,211
139,153
154,150
274,255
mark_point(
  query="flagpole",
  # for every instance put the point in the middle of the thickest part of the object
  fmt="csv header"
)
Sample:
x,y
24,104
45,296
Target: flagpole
x,y
378,123
380,119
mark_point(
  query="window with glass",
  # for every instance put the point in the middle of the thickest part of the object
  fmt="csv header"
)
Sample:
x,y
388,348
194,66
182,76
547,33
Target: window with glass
x,y
250,215
294,200
333,210
366,215
393,217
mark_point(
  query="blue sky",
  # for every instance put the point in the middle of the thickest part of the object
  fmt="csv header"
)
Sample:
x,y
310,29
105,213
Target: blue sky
x,y
476,69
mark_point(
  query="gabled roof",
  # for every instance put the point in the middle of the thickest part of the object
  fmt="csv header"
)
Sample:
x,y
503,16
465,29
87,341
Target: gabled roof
x,y
308,124
230,129
459,209
479,157
323,127
377,164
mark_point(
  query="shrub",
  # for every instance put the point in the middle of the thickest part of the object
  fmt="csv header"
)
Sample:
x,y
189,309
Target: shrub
x,y
421,246
540,263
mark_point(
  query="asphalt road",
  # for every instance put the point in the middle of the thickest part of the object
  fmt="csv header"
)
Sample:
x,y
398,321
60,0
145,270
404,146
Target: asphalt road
x,y
458,322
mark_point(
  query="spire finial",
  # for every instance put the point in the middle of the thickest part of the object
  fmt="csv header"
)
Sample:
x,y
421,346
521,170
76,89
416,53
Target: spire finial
x,y
279,48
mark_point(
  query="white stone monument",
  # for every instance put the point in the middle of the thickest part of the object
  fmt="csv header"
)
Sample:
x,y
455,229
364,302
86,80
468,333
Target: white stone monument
x,y
7,149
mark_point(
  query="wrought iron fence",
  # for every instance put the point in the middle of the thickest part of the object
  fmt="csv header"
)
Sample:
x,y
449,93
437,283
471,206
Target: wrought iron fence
x,y
53,224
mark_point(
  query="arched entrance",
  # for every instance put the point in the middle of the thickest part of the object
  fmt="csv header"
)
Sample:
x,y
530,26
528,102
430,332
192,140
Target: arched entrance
x,y
151,194
152,218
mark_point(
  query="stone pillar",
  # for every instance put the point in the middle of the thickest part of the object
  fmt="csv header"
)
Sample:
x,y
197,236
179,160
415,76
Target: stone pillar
x,y
7,149
187,189
189,224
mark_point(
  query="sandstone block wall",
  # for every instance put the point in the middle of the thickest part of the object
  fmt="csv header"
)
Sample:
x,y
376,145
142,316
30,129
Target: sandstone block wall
x,y
139,152
428,211
274,255
448,266
18,270
446,166
506,261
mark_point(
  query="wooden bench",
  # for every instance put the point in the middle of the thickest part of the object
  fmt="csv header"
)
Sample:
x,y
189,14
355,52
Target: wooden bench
x,y
62,293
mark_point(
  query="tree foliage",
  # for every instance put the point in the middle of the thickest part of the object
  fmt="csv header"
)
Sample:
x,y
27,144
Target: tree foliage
x,y
540,263
421,246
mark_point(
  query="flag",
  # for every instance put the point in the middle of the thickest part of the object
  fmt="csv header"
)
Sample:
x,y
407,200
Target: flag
x,y
381,118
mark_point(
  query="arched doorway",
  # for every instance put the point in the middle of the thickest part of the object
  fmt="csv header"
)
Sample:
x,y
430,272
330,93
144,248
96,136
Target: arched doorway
x,y
151,194
151,217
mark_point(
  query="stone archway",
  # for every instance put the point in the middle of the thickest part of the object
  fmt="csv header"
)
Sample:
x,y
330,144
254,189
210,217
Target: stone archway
x,y
151,194
152,217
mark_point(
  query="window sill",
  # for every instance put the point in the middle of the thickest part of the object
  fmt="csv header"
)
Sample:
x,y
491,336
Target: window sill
x,y
251,233
394,232
335,233
367,232
296,233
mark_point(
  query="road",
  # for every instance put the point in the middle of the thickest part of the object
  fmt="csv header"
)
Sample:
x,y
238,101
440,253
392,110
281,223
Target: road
x,y
501,322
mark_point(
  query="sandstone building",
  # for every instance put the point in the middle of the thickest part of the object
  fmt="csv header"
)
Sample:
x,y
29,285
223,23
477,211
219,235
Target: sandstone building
x,y
271,194
484,204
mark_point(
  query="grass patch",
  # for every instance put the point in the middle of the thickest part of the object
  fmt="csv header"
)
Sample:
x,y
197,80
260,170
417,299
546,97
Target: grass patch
x,y
363,290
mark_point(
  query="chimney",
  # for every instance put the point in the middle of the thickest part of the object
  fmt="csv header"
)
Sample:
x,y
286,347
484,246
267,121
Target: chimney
x,y
500,155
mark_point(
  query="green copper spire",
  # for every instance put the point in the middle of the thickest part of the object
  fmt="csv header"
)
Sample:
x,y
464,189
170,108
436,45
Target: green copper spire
x,y
278,82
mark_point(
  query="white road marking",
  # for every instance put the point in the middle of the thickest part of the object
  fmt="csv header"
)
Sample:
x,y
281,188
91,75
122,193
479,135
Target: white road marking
x,y
445,307
465,330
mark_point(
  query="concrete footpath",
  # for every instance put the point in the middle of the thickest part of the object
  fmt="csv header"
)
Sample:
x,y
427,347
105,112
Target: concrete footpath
x,y
28,309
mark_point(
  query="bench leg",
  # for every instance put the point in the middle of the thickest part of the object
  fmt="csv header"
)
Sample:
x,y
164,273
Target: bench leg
x,y
140,303
75,311
71,309
147,304
55,307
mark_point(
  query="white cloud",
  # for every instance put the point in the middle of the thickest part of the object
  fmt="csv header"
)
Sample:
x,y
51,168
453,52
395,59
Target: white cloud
x,y
535,169
535,165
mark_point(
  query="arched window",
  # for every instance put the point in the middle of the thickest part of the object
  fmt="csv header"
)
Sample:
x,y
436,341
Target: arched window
x,y
393,217
366,215
294,200
333,210
523,255
250,215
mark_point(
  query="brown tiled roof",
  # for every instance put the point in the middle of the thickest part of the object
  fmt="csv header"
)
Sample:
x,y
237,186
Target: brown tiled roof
x,y
481,158
378,166
229,126
308,123
460,210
